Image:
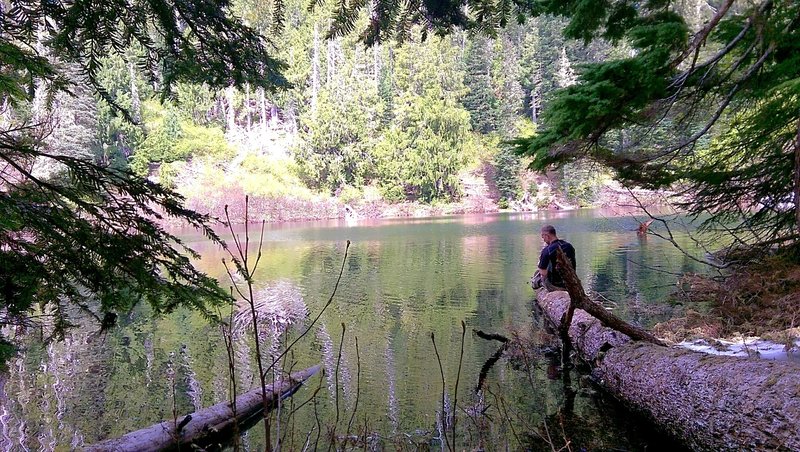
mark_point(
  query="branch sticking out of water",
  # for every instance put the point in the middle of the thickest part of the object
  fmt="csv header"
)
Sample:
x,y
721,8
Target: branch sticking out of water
x,y
458,377
488,365
444,409
491,336
358,391
579,299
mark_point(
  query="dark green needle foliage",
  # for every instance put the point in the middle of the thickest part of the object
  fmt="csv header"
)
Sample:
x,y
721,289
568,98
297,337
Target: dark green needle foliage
x,y
84,235
714,113
713,110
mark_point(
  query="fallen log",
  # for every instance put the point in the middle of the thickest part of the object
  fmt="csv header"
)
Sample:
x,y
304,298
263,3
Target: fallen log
x,y
215,424
707,402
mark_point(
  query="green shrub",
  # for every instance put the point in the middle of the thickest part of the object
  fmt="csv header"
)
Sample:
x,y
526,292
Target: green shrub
x,y
349,194
269,176
169,172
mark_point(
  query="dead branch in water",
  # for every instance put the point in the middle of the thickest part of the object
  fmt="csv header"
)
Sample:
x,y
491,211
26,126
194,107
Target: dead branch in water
x,y
579,299
490,336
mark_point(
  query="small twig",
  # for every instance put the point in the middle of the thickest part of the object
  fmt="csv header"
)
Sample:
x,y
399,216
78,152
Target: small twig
x,y
444,409
458,377
504,411
316,412
358,389
336,375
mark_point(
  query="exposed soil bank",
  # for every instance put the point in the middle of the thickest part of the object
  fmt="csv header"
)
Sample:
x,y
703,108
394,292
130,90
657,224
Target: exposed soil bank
x,y
285,209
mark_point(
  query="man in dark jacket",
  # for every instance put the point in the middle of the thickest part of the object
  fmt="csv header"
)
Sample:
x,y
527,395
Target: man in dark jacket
x,y
548,275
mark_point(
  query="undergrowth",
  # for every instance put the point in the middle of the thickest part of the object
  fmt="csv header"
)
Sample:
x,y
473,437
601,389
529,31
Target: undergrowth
x,y
759,294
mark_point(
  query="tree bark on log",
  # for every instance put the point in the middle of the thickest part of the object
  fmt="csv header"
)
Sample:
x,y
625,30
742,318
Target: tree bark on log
x,y
708,402
210,425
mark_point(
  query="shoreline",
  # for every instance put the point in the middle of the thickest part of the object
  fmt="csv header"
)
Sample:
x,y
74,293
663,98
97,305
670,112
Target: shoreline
x,y
285,209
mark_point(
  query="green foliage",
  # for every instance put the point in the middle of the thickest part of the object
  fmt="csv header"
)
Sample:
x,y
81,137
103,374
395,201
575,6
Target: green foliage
x,y
421,156
271,177
7,351
581,183
337,137
507,166
172,139
90,235
350,194
198,103
481,101
91,225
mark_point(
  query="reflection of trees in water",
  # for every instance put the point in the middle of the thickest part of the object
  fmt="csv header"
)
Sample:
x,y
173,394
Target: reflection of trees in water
x,y
149,353
13,418
242,354
394,409
50,386
329,359
194,391
5,414
278,306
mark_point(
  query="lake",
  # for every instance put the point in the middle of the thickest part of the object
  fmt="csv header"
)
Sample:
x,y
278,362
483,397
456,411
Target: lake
x,y
403,281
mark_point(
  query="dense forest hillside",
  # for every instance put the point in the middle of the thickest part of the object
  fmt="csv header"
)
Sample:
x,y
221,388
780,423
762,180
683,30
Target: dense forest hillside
x,y
360,129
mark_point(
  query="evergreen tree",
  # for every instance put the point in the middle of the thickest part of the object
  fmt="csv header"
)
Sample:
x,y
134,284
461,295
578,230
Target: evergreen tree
x,y
481,101
506,82
508,166
89,235
429,141
720,119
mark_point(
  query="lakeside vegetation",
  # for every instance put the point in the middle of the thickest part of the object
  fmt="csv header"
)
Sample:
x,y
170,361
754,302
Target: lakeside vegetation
x,y
420,121
118,116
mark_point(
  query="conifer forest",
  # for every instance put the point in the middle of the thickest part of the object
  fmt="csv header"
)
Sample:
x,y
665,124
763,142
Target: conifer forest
x,y
200,198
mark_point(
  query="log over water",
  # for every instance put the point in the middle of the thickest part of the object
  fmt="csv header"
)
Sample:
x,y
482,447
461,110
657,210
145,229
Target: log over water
x,y
207,426
708,402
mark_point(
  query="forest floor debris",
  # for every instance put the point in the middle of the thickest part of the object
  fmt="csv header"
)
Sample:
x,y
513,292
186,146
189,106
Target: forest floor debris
x,y
758,297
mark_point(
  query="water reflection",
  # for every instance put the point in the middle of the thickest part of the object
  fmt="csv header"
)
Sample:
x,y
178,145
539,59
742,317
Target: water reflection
x,y
403,280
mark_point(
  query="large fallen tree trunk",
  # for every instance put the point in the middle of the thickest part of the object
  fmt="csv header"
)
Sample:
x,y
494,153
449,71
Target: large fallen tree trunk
x,y
215,424
708,402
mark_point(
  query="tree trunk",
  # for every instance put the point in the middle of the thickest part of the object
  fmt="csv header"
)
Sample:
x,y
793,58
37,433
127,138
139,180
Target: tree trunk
x,y
210,425
315,68
230,93
708,402
376,65
136,103
797,178
262,104
248,107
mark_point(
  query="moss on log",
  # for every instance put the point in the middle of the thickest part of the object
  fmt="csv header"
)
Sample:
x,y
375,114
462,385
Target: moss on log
x,y
708,402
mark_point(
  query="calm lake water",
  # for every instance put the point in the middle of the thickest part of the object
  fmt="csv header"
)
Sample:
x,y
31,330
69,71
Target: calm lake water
x,y
403,280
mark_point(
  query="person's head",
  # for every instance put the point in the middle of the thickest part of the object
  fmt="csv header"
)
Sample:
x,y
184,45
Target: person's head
x,y
549,234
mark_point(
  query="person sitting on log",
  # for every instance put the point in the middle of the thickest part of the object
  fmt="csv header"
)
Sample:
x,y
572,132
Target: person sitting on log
x,y
547,274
